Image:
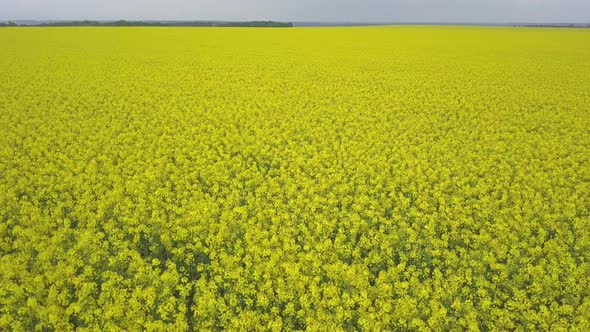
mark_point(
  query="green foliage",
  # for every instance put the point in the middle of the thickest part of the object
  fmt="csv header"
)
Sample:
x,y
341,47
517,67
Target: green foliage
x,y
122,23
394,178
8,24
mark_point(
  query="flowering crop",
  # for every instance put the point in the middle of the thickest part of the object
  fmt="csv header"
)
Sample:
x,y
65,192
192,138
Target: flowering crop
x,y
382,178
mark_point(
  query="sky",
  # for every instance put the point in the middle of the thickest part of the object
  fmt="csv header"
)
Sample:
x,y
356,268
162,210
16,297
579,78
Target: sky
x,y
500,11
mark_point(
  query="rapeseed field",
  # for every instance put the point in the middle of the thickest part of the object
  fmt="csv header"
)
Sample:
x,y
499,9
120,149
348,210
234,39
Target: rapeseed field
x,y
324,179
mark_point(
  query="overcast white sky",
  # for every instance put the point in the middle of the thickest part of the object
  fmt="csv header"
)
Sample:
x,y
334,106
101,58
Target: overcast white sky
x,y
302,10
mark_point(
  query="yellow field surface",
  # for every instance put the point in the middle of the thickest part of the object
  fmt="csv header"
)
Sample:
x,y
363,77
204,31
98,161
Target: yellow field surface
x,y
323,179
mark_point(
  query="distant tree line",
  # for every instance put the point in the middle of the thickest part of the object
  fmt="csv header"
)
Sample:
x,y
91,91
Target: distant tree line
x,y
557,25
123,23
8,24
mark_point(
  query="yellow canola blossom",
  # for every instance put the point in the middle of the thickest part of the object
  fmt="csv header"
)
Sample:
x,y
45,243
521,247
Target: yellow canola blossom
x,y
322,179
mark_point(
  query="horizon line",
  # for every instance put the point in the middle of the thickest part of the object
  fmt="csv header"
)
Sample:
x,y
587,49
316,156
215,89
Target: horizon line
x,y
301,21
